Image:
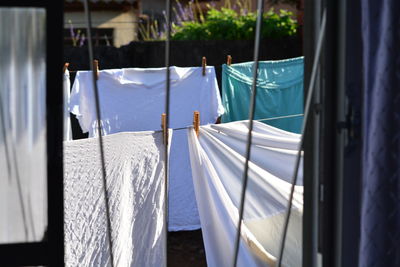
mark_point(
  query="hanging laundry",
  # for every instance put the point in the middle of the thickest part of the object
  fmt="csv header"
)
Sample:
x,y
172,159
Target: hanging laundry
x,y
279,92
217,159
135,182
67,120
134,99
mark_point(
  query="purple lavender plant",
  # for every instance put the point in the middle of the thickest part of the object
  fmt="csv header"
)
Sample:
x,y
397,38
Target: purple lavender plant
x,y
182,12
77,36
190,10
82,40
178,18
72,33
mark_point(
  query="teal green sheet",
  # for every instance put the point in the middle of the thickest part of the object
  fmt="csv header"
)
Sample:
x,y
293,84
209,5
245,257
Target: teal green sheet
x,y
279,92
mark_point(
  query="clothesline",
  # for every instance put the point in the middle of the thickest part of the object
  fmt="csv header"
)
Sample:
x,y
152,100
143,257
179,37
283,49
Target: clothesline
x,y
180,216
266,119
75,71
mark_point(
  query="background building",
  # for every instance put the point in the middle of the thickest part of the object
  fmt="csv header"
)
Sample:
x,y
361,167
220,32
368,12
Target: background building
x,y
115,22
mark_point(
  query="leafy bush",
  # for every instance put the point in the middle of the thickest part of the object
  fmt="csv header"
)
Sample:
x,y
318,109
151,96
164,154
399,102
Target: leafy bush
x,y
228,24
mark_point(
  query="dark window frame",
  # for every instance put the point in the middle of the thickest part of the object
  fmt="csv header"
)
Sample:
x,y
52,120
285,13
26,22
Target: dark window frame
x,y
49,251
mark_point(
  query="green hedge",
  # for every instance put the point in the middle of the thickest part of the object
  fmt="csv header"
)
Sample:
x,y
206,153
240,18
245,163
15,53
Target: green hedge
x,y
227,24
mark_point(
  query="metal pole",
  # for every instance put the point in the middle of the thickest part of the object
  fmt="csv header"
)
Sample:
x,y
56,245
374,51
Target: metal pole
x,y
260,10
306,112
99,130
167,104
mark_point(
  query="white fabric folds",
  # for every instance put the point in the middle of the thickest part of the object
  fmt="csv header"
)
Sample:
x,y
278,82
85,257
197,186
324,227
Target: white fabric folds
x,y
133,99
135,184
217,157
67,120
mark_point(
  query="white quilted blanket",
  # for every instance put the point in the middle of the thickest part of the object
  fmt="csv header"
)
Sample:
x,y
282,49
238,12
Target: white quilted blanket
x,y
135,184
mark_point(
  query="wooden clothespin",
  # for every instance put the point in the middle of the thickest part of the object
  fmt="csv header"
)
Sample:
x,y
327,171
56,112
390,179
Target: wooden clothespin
x,y
96,68
164,127
196,122
66,65
204,65
228,60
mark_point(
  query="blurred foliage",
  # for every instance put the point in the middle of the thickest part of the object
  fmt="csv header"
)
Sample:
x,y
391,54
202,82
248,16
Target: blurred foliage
x,y
234,21
229,24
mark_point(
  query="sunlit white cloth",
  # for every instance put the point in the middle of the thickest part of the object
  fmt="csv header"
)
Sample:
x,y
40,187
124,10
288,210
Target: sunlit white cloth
x,y
67,120
217,159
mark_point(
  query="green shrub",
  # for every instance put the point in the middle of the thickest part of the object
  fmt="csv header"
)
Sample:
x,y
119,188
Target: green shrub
x,y
227,24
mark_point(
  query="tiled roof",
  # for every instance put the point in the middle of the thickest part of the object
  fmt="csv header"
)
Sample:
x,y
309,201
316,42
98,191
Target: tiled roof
x,y
102,5
104,1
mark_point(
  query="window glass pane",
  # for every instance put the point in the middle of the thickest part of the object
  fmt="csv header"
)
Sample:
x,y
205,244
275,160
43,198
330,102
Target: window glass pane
x,y
23,157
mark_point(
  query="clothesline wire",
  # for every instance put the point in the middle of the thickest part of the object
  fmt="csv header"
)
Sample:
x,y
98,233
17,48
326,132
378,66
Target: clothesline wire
x,y
260,11
298,156
165,136
281,117
75,71
99,131
266,119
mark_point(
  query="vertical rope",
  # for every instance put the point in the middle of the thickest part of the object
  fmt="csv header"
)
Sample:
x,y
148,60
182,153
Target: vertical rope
x,y
99,130
167,104
298,157
260,11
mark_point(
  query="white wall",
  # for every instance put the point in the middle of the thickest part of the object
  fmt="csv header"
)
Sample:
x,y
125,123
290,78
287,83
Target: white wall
x,y
123,23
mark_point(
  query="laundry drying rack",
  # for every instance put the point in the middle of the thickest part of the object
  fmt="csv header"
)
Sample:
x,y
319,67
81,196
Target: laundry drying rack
x,y
54,131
